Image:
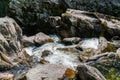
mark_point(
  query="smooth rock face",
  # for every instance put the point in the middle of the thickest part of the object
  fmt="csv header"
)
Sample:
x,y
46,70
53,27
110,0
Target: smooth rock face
x,y
87,24
50,71
111,7
89,73
42,38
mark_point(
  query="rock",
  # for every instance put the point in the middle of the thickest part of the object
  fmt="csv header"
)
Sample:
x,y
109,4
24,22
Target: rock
x,y
73,40
87,24
42,38
106,46
6,76
43,61
116,41
86,72
33,14
28,41
38,39
102,6
75,49
10,36
46,53
50,71
117,55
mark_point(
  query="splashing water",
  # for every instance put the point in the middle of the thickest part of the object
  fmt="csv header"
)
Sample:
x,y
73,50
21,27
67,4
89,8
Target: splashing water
x,y
90,43
67,58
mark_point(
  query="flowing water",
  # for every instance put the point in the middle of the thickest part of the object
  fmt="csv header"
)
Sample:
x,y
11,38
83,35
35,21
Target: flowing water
x,y
68,58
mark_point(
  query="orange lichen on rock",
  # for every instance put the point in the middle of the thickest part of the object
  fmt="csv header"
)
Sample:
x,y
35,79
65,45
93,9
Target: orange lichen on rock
x,y
69,73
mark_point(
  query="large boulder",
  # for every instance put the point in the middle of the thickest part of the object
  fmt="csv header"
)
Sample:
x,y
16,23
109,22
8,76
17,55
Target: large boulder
x,y
10,36
111,7
87,24
33,14
49,72
38,39
87,72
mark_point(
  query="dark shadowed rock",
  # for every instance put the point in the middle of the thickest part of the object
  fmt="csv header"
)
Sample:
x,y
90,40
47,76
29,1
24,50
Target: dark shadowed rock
x,y
33,14
89,73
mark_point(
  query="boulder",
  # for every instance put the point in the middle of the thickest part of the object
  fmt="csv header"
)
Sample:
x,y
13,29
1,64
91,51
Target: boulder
x,y
47,72
10,36
42,38
111,7
33,14
37,39
72,40
106,46
87,24
87,72
6,76
28,41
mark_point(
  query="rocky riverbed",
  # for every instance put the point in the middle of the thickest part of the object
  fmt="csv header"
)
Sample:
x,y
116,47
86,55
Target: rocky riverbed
x,y
60,40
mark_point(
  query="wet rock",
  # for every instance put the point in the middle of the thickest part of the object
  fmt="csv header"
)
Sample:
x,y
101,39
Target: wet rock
x,y
106,46
43,61
89,73
6,76
50,71
42,38
73,40
46,53
75,49
87,24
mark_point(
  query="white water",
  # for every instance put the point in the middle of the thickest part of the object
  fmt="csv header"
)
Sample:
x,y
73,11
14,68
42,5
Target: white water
x,y
90,43
66,58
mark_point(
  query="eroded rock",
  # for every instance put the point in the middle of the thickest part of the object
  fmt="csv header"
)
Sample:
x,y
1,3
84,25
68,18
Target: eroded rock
x,y
89,73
